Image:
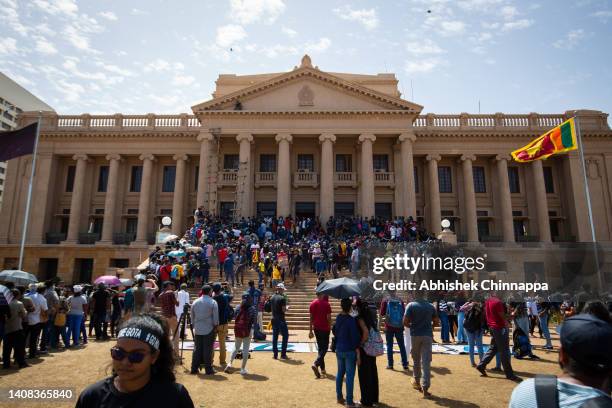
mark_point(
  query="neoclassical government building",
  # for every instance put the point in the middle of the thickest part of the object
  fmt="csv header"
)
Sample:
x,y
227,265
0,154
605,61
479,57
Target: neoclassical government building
x,y
305,143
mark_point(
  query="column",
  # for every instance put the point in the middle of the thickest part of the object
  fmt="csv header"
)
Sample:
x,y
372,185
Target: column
x,y
541,202
178,199
144,203
76,204
470,198
407,176
45,185
434,193
367,175
202,198
245,180
504,198
110,203
283,175
578,210
326,201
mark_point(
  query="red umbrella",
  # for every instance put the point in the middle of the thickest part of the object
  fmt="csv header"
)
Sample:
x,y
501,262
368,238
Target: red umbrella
x,y
108,280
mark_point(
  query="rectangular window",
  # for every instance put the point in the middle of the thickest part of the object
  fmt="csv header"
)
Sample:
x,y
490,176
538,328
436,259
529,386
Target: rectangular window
x,y
344,163
305,162
383,210
548,180
479,179
131,225
381,162
519,229
165,211
136,179
231,162
102,179
483,229
513,179
70,179
168,179
266,209
267,163
445,180
196,178
2,170
344,209
416,180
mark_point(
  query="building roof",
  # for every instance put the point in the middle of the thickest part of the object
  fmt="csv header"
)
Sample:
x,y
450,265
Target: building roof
x,y
20,97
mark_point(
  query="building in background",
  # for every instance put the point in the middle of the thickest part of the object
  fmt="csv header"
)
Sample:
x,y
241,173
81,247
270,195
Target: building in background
x,y
308,143
14,99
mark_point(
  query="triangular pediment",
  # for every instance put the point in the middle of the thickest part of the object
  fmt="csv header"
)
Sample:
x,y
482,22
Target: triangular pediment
x,y
303,89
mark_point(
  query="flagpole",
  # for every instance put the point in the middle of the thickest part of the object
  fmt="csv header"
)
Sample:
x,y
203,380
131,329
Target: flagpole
x,y
600,282
24,232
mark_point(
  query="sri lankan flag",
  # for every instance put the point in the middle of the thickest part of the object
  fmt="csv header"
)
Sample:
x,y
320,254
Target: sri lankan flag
x,y
558,140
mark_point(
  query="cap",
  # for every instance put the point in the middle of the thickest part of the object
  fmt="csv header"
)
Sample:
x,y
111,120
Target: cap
x,y
588,340
281,286
77,288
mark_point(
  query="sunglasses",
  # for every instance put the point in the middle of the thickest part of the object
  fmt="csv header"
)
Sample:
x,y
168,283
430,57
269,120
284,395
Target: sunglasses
x,y
134,357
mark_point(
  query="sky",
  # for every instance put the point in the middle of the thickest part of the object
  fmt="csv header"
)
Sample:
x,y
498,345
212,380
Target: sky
x,y
451,56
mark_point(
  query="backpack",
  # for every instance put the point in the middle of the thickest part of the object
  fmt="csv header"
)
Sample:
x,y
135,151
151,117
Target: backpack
x,y
395,314
268,306
241,325
473,320
547,395
374,344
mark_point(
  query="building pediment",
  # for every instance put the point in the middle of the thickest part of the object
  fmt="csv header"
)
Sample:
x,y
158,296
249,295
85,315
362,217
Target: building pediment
x,y
306,88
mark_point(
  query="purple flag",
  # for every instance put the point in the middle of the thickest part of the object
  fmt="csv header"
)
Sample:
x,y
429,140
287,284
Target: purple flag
x,y
18,142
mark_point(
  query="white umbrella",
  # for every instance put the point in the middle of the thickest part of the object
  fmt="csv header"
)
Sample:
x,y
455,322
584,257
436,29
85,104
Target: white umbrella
x,y
126,282
169,238
17,277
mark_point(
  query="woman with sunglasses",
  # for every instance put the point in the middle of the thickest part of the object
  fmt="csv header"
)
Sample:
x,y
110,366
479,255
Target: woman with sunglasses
x,y
143,370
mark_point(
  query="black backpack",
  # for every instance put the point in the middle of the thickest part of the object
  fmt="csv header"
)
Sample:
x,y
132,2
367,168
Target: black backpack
x,y
548,397
473,320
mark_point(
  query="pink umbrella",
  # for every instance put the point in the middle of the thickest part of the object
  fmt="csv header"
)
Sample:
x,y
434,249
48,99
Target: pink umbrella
x,y
108,280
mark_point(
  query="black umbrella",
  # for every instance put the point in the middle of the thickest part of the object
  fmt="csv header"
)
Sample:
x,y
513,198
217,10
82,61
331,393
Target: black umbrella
x,y
339,288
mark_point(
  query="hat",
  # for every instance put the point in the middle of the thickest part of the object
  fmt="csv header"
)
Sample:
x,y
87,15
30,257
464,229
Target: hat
x,y
33,286
77,288
280,286
588,340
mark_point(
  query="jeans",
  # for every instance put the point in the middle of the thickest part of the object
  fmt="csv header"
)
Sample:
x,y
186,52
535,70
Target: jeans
x,y
58,331
421,357
322,346
230,277
544,329
474,339
461,335
499,343
279,326
347,361
243,343
47,333
75,323
444,327
399,337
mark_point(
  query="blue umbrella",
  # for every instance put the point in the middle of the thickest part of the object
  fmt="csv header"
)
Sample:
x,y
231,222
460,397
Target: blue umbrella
x,y
176,254
339,288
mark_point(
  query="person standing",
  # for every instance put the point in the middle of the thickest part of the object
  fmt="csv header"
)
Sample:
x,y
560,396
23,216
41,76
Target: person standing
x,y
367,370
246,317
278,303
205,320
392,309
355,262
543,315
223,306
49,331
100,303
320,327
442,307
418,317
36,318
348,339
473,325
78,310
168,303
14,337
497,320
183,299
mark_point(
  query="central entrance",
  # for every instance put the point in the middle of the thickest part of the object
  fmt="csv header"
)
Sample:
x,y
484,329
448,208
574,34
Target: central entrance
x,y
305,210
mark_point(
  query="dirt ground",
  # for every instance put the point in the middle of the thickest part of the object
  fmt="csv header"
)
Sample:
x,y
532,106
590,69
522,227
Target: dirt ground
x,y
285,383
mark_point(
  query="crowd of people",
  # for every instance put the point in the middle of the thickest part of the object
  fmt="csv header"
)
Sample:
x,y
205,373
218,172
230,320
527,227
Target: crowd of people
x,y
150,318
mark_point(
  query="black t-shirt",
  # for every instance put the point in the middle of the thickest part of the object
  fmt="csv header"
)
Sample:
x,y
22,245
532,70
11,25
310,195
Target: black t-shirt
x,y
103,394
101,297
278,301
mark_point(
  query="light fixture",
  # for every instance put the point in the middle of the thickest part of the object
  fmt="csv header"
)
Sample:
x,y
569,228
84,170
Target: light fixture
x,y
445,223
166,221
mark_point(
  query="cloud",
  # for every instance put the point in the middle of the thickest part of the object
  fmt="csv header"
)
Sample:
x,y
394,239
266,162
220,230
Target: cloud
x,y
138,12
509,12
603,15
252,11
320,46
160,65
365,17
10,15
115,69
54,7
72,91
571,39
109,15
229,34
45,47
423,47
517,25
182,80
449,28
289,32
164,100
423,66
8,46
478,4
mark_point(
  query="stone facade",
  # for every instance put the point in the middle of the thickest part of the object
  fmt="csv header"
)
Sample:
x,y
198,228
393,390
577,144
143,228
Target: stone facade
x,y
304,142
